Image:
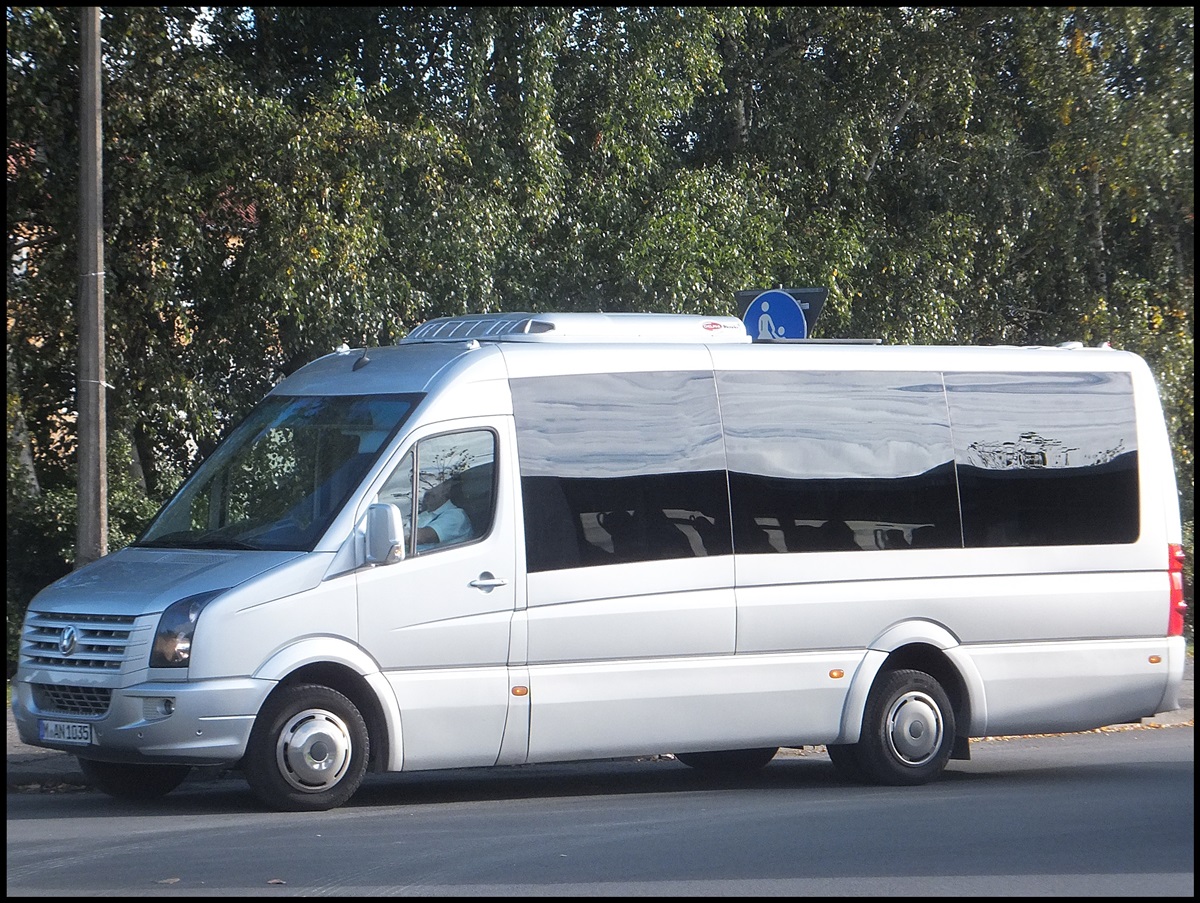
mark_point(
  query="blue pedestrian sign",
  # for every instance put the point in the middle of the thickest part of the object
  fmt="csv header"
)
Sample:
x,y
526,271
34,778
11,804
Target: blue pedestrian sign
x,y
775,314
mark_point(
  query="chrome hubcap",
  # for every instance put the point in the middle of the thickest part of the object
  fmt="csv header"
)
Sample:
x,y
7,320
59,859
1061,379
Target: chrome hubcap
x,y
914,728
313,750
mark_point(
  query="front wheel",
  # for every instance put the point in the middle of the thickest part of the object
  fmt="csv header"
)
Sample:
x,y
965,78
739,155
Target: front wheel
x,y
729,759
308,751
133,782
908,729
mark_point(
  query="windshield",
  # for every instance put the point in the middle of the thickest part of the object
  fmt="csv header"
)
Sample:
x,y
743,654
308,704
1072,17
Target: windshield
x,y
277,481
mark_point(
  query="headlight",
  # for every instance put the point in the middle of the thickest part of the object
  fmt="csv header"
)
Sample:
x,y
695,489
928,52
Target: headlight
x,y
173,639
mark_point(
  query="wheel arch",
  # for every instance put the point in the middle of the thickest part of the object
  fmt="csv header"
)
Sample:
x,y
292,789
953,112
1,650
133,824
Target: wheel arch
x,y
923,646
347,669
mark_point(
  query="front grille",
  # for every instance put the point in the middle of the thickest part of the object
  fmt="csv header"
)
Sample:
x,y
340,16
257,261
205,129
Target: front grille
x,y
94,642
56,699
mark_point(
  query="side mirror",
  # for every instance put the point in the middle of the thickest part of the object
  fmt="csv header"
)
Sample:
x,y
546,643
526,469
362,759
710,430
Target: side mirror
x,y
385,534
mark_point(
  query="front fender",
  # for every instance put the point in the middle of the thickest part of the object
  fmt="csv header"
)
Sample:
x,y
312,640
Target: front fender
x,y
321,650
315,650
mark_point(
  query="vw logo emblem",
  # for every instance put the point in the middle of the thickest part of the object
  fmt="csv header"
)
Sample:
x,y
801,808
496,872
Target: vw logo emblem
x,y
68,641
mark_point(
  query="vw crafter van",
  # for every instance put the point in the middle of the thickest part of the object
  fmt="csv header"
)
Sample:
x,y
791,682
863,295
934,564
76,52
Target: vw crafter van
x,y
533,538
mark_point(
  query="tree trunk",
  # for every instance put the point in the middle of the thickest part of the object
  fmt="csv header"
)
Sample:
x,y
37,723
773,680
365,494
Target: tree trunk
x,y
20,445
1096,228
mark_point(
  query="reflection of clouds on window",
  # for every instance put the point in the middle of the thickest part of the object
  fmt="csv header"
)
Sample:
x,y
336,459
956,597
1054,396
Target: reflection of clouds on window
x,y
838,457
624,424
824,425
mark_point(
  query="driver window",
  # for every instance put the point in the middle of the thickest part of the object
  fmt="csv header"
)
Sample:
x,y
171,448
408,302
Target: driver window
x,y
453,478
398,491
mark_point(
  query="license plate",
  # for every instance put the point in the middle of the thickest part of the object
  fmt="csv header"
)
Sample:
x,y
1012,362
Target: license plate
x,y
65,732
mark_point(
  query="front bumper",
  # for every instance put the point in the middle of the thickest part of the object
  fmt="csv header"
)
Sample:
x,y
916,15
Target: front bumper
x,y
202,723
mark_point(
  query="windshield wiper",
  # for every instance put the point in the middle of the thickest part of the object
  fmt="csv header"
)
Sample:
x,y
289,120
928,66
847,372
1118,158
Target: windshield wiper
x,y
185,541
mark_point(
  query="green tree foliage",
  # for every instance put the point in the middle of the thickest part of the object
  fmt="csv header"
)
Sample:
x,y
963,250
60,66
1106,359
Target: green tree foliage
x,y
279,180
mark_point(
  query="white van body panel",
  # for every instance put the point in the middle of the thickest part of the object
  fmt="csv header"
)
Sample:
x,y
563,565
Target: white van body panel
x,y
409,368
453,717
654,609
528,360
252,622
686,703
1176,656
442,642
1027,607
1055,687
315,650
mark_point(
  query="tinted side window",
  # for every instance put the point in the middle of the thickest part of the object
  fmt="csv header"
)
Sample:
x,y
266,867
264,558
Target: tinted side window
x,y
619,467
1045,458
824,461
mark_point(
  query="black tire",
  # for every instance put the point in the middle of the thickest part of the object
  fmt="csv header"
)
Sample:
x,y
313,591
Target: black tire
x,y
729,759
845,759
908,729
308,750
136,782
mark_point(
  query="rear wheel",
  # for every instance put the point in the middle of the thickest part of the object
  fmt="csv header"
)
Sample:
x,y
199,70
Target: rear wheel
x,y
908,729
729,759
133,782
308,750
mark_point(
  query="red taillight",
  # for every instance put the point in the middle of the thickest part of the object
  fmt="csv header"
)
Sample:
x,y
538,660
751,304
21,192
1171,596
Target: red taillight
x,y
1178,606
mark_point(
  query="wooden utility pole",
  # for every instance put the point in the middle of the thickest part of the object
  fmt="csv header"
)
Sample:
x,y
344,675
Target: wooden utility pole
x,y
91,541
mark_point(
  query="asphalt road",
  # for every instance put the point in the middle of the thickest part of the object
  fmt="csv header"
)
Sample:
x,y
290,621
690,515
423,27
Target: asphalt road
x,y
1092,814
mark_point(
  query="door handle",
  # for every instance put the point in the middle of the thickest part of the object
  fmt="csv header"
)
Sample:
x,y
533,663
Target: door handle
x,y
488,582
